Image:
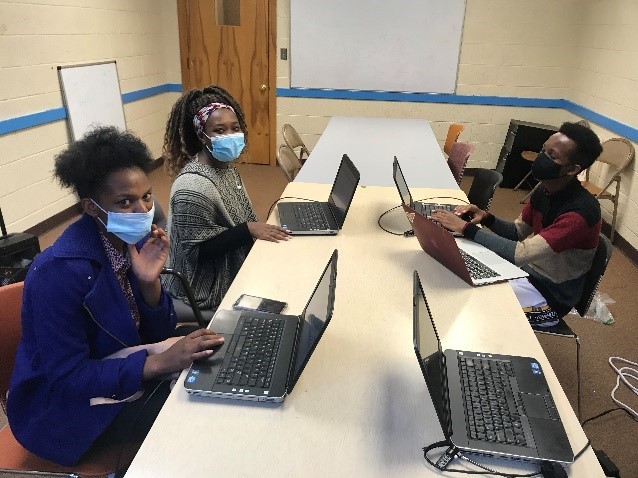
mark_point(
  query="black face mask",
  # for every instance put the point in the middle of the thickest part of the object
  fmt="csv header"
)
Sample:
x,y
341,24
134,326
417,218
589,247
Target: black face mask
x,y
544,168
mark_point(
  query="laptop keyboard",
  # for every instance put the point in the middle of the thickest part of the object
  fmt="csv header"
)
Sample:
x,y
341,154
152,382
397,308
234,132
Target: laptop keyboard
x,y
250,359
477,269
311,216
428,208
490,407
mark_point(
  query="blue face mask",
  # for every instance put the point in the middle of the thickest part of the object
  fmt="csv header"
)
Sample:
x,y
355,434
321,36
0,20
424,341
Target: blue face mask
x,y
131,227
226,148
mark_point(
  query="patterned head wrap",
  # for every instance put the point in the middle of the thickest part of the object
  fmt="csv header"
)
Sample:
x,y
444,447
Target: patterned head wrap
x,y
200,118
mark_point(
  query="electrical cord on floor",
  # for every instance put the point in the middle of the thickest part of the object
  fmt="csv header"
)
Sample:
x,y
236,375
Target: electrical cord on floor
x,y
625,374
286,197
602,414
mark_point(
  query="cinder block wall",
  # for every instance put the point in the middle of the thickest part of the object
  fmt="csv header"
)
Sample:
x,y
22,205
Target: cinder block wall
x,y
35,38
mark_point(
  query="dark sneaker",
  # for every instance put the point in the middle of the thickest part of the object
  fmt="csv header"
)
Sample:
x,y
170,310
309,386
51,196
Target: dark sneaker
x,y
543,316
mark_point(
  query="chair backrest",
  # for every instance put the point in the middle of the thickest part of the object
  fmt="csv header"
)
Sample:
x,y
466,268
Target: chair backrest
x,y
595,274
459,155
10,333
159,218
288,161
183,311
453,133
617,152
294,141
483,186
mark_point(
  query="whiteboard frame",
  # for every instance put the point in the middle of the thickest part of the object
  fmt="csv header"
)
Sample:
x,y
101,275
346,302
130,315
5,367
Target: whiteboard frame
x,y
92,97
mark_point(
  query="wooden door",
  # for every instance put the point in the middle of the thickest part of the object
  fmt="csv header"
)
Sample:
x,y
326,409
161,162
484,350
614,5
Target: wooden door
x,y
231,43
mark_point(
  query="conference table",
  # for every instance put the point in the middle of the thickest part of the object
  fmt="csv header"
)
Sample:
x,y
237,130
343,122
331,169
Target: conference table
x,y
361,406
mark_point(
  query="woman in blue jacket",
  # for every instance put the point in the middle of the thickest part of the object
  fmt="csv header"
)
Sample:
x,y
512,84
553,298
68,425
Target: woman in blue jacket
x,y
96,322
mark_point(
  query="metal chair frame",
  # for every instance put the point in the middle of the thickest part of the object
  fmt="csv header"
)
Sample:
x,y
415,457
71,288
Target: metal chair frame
x,y
594,276
294,141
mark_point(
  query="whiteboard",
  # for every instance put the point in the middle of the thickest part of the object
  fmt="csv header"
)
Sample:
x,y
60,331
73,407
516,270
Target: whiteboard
x,y
92,97
398,45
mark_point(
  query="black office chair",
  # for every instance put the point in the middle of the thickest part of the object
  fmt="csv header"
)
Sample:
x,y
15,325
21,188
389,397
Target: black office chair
x,y
484,183
159,217
187,313
593,278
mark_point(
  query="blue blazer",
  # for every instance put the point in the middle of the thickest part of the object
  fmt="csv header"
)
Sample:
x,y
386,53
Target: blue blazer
x,y
74,314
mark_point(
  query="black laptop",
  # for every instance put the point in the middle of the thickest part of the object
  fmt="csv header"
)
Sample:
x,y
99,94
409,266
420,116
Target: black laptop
x,y
264,354
496,405
423,208
323,218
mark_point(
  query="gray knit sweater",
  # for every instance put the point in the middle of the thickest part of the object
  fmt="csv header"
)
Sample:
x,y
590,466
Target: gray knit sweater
x,y
204,203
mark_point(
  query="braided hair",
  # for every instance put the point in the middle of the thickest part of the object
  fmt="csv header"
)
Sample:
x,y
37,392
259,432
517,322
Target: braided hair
x,y
181,142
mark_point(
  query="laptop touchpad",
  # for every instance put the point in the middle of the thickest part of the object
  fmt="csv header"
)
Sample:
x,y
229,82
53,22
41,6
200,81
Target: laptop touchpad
x,y
535,406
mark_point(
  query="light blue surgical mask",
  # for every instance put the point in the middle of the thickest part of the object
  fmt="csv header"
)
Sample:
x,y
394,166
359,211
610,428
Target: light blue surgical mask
x,y
227,147
131,227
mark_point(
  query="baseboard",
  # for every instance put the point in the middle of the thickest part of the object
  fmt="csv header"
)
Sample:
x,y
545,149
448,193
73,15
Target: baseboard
x,y
621,244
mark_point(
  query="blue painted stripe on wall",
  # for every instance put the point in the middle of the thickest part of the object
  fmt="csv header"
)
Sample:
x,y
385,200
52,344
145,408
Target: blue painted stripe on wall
x,y
611,124
18,123
27,121
43,117
420,97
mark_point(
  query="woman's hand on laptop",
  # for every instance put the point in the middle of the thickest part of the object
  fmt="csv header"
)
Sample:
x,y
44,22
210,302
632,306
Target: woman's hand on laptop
x,y
195,346
268,232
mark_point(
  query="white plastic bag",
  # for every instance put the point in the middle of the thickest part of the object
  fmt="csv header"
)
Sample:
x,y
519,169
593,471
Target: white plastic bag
x,y
598,309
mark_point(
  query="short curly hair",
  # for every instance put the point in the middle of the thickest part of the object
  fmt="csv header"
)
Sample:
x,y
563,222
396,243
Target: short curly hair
x,y
588,146
86,163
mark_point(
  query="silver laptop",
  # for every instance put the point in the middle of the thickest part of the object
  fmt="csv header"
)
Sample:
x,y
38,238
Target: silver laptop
x,y
264,354
472,262
496,405
323,218
422,207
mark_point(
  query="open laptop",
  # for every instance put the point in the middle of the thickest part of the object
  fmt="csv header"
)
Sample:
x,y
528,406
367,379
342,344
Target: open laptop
x,y
498,405
423,208
264,354
472,262
323,218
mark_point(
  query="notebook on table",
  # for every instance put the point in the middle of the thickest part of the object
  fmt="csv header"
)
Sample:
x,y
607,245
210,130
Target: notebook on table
x,y
498,405
423,208
264,354
323,218
472,262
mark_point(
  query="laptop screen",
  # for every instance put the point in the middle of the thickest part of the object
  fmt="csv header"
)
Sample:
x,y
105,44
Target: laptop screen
x,y
343,190
427,346
316,316
402,186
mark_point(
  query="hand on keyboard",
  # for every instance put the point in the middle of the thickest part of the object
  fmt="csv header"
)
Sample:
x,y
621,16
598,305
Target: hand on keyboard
x,y
449,220
471,213
268,232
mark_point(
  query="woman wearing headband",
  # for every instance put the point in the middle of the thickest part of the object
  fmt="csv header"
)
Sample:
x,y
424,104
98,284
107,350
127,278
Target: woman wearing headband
x,y
211,221
96,323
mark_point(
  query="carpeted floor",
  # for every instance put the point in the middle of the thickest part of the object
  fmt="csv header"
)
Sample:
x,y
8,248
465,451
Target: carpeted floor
x,y
614,433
